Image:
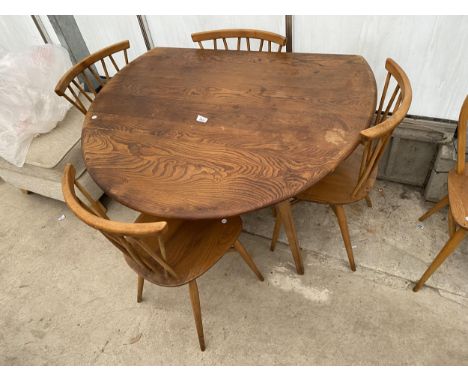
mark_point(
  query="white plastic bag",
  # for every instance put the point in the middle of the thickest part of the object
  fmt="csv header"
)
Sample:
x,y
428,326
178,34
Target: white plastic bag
x,y
28,104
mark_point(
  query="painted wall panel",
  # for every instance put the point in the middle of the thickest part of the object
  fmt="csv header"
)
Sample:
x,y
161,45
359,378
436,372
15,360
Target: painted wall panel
x,y
176,30
18,32
433,50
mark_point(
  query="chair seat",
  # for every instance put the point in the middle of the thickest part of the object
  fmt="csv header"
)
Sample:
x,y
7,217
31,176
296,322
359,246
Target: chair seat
x,y
458,197
48,150
337,187
192,247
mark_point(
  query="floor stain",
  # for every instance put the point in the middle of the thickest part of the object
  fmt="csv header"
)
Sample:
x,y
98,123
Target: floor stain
x,y
38,333
283,279
405,195
135,339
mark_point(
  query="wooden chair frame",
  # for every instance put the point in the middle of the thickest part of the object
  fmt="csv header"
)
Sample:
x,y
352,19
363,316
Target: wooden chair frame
x,y
85,72
456,231
388,117
129,238
125,236
374,140
239,34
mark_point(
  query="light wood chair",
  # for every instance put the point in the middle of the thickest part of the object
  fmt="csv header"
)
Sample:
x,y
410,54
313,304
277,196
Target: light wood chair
x,y
239,34
85,72
457,200
353,179
167,252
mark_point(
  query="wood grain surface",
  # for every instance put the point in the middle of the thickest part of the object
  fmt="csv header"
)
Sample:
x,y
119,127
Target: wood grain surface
x,y
277,123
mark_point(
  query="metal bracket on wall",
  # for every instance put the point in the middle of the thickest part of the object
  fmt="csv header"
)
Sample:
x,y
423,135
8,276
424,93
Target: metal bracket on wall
x,y
145,31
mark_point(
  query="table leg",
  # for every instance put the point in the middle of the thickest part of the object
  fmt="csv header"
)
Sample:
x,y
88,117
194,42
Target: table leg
x,y
284,209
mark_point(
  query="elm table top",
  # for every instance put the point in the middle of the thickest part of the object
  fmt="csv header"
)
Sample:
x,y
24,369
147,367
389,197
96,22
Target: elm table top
x,y
277,123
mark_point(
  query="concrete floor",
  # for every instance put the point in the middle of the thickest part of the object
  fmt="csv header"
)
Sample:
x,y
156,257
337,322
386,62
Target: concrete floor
x,y
68,298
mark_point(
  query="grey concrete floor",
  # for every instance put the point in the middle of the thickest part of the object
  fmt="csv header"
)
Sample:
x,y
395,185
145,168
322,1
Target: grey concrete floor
x,y
68,298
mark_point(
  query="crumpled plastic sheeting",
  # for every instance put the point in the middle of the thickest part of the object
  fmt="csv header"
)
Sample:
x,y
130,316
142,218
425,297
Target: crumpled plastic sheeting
x,y
28,103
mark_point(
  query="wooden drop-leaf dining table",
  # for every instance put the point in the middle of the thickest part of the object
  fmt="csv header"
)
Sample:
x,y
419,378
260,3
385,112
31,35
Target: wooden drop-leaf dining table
x,y
276,124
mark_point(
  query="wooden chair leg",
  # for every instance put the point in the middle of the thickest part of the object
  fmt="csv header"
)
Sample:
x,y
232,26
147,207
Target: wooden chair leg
x,y
273,211
276,232
439,205
368,201
195,300
102,206
141,281
446,251
451,223
340,214
248,259
284,212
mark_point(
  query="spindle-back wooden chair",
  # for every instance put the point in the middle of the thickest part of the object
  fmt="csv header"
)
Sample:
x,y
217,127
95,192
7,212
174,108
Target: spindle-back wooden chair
x,y
70,86
239,34
353,179
168,252
457,200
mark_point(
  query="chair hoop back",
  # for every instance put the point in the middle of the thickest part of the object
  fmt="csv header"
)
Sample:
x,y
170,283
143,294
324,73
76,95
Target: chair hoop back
x,y
94,214
84,72
127,237
388,116
461,137
239,34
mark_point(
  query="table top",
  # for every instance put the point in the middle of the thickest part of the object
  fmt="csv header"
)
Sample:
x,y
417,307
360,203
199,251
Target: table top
x,y
277,123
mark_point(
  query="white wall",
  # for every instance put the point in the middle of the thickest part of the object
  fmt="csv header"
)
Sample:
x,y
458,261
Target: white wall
x,y
18,32
176,30
433,50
